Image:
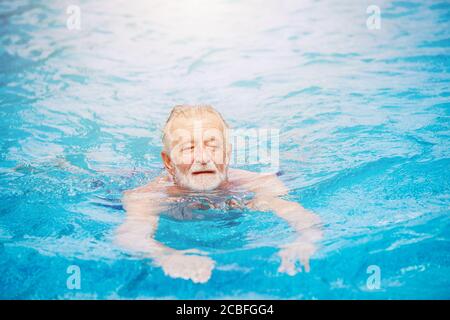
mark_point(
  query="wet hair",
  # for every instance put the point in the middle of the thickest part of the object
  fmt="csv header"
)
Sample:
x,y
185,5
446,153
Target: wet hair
x,y
189,111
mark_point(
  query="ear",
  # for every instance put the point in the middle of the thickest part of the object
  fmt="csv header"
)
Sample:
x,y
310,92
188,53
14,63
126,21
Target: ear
x,y
167,162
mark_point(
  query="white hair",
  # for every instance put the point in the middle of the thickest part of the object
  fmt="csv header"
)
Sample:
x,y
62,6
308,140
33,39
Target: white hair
x,y
188,111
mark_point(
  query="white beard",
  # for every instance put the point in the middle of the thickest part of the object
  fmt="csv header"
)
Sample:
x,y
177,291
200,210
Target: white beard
x,y
201,182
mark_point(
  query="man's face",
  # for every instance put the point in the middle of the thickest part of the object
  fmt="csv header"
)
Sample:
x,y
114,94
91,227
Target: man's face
x,y
198,157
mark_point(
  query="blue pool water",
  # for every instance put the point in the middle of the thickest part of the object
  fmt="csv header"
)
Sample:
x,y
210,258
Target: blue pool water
x,y
364,142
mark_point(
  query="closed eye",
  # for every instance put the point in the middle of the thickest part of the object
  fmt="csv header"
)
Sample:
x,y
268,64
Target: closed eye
x,y
212,143
186,148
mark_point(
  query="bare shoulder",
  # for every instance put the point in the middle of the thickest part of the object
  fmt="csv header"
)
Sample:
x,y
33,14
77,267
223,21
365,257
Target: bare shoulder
x,y
239,174
267,183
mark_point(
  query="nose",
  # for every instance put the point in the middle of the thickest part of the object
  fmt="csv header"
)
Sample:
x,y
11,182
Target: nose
x,y
201,155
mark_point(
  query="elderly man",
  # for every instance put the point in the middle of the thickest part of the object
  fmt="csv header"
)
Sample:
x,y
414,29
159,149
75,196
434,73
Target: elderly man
x,y
196,155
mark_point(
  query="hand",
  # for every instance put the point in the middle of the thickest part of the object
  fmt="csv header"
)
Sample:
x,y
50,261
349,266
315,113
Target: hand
x,y
188,267
296,252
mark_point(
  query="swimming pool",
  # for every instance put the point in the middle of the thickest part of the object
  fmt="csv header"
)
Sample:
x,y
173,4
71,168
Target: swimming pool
x,y
363,117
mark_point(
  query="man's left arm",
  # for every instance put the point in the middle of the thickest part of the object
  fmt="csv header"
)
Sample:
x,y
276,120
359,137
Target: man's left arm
x,y
268,192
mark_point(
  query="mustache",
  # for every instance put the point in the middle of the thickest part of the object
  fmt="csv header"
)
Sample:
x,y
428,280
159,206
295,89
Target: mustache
x,y
200,167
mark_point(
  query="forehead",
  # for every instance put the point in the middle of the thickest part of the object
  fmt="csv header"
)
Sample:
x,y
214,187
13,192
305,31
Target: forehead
x,y
188,128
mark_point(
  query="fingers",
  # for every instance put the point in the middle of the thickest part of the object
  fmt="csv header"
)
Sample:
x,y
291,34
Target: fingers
x,y
289,263
305,262
203,271
198,269
287,268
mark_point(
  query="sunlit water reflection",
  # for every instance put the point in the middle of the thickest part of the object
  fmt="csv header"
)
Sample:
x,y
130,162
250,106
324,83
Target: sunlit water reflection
x,y
364,141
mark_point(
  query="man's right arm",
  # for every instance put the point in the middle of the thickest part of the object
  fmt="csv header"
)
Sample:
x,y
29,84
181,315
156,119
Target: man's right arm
x,y
136,234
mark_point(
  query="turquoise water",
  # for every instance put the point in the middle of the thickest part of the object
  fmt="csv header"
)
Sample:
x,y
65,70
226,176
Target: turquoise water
x,y
364,142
